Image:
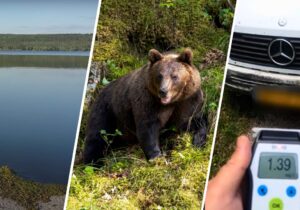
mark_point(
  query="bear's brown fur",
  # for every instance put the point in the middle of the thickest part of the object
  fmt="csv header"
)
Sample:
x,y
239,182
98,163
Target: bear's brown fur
x,y
164,92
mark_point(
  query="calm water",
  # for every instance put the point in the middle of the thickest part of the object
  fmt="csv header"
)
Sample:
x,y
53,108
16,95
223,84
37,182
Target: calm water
x,y
39,111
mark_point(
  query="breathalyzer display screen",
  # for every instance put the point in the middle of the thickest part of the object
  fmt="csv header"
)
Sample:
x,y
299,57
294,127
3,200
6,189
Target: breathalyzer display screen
x,y
273,165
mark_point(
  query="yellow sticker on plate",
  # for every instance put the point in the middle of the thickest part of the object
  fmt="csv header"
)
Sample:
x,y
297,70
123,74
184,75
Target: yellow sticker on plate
x,y
277,97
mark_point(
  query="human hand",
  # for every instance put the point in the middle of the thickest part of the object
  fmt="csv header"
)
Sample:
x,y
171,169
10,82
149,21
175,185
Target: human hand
x,y
224,190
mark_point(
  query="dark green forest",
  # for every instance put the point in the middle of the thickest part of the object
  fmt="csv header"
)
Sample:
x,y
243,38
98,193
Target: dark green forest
x,y
46,42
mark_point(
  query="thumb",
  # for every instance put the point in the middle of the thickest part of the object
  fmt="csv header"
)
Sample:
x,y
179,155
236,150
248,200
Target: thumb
x,y
230,176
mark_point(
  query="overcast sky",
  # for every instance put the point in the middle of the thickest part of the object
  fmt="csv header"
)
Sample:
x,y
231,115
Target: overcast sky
x,y
47,16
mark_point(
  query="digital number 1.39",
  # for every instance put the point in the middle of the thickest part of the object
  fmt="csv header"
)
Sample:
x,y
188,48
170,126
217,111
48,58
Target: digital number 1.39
x,y
279,164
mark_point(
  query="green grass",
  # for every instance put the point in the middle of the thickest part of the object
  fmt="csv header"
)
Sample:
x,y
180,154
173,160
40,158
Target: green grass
x,y
234,121
128,181
239,114
26,193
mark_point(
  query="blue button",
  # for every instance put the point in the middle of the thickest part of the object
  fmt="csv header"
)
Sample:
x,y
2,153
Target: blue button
x,y
291,191
262,190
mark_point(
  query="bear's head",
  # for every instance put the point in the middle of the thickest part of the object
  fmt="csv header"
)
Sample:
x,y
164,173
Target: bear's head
x,y
172,77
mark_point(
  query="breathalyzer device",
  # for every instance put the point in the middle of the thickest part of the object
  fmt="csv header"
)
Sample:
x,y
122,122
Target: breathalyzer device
x,y
274,170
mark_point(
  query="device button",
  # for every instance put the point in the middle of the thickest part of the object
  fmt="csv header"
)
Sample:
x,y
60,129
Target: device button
x,y
276,204
262,190
291,191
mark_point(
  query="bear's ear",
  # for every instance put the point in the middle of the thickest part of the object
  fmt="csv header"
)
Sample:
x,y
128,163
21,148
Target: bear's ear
x,y
154,56
186,56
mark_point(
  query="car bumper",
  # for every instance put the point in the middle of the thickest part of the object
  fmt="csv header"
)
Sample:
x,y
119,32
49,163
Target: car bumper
x,y
247,79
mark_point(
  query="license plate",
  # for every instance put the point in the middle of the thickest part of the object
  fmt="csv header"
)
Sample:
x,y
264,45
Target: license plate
x,y
285,98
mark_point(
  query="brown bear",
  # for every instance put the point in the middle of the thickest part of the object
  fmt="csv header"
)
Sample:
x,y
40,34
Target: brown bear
x,y
164,92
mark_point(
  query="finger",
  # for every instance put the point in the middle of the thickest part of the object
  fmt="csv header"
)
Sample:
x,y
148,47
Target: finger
x,y
231,174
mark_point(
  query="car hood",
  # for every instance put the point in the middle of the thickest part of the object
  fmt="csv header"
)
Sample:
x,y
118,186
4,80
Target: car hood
x,y
268,17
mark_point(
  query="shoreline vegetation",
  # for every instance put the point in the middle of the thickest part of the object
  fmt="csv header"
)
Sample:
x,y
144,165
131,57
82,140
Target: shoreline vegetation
x,y
43,61
27,194
46,42
45,50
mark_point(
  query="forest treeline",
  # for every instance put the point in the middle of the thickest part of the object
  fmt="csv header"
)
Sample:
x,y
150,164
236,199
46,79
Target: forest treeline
x,y
48,42
128,29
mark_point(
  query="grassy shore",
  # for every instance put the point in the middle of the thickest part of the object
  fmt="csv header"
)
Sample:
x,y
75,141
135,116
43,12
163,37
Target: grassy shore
x,y
26,193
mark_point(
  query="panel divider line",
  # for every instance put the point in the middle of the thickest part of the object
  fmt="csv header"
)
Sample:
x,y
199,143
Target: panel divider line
x,y
218,112
82,103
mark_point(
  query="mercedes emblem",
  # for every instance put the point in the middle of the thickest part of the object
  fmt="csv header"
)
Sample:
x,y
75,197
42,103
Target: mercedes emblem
x,y
281,52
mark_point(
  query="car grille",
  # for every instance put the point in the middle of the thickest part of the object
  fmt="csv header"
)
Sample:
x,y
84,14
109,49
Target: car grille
x,y
242,80
253,49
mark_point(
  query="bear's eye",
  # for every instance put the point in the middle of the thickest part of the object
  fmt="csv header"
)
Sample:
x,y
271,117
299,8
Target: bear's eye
x,y
159,77
174,77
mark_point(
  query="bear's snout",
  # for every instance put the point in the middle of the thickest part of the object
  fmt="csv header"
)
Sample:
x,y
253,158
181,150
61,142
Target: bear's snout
x,y
163,92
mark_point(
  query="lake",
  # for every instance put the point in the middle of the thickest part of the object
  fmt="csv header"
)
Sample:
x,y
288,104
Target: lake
x,y
39,112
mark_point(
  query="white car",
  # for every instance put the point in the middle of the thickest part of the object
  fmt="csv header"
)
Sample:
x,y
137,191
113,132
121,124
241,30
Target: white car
x,y
265,50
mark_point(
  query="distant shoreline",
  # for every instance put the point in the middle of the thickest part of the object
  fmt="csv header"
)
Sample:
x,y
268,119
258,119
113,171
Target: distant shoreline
x,y
45,52
45,42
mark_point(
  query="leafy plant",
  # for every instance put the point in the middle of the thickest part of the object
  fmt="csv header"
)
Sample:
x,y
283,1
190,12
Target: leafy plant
x,y
108,137
104,81
89,170
226,16
167,3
